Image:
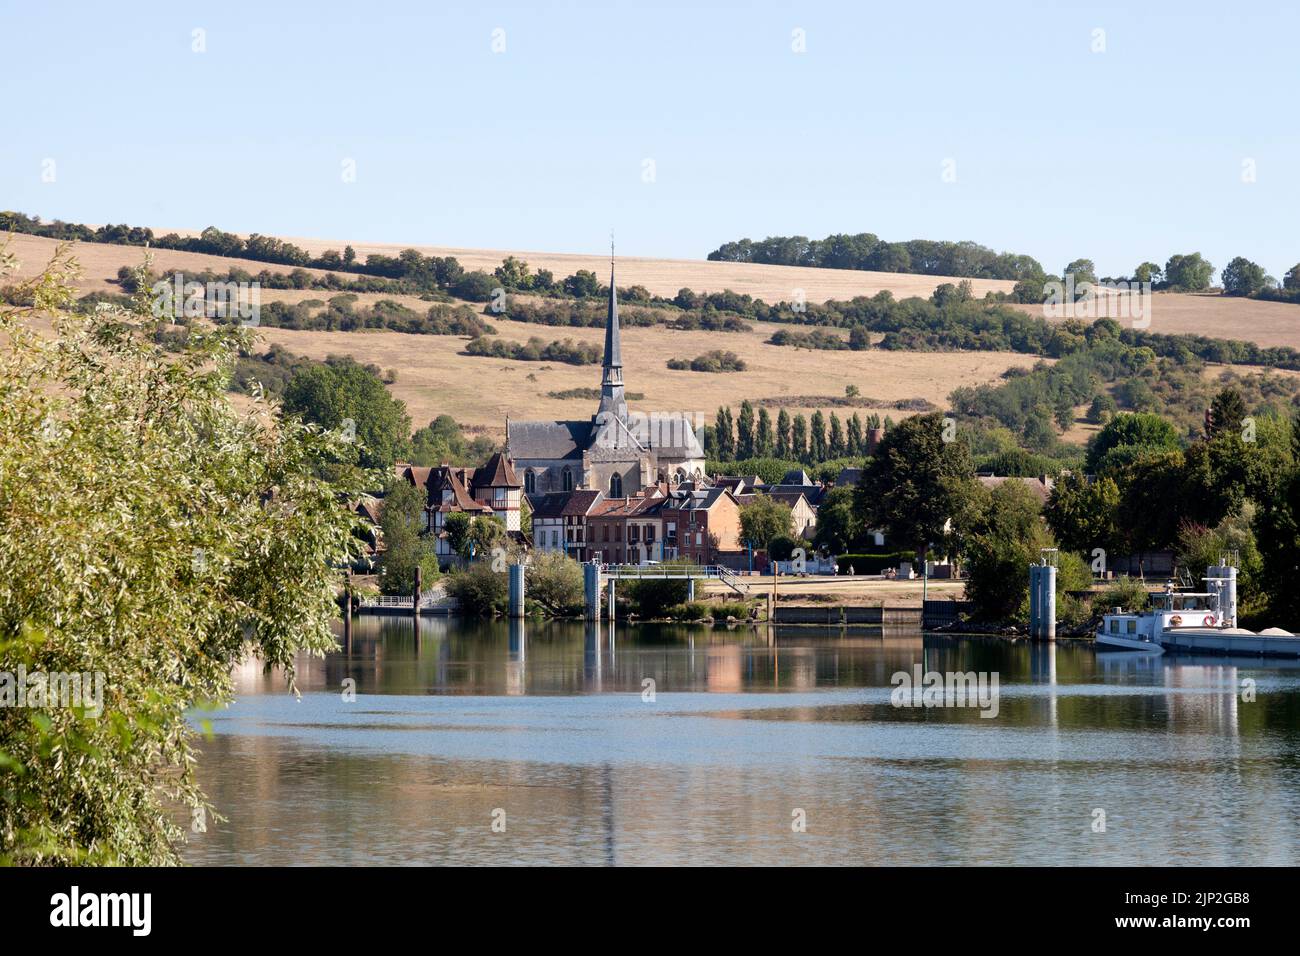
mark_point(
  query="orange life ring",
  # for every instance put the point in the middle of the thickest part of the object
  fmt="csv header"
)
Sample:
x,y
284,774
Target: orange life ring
x,y
1176,621
1209,620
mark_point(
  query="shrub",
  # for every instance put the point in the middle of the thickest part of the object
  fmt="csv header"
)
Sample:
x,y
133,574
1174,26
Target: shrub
x,y
554,581
479,590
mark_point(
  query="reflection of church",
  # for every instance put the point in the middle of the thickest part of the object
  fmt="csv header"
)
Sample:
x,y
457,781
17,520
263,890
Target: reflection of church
x,y
612,452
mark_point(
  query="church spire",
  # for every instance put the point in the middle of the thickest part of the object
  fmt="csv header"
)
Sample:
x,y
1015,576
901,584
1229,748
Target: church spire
x,y
611,380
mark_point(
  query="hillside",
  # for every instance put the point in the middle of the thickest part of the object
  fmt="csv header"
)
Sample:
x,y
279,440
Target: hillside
x,y
435,377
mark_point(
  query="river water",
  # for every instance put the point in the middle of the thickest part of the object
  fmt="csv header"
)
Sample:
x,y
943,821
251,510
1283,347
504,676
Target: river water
x,y
487,743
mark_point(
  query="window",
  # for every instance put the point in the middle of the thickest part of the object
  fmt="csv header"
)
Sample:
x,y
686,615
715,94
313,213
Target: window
x,y
606,535
499,498
633,532
530,482
1132,626
616,486
649,534
568,480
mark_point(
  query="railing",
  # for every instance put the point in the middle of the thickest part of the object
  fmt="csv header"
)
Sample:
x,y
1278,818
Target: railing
x,y
428,599
675,572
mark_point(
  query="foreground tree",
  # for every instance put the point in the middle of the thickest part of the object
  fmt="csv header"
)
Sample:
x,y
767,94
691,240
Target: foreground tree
x,y
151,534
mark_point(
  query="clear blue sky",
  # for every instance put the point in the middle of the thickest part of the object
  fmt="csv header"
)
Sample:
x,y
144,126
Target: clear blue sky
x,y
1059,152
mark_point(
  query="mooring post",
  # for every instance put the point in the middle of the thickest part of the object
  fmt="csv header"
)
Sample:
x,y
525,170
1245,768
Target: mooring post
x,y
1049,603
591,590
516,590
690,589
1034,595
612,611
347,612
415,596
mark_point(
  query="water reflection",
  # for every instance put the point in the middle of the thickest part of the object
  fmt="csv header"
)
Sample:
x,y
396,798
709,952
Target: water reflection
x,y
547,722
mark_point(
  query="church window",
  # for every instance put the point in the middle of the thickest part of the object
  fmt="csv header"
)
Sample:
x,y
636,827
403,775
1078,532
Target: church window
x,y
568,480
616,486
530,482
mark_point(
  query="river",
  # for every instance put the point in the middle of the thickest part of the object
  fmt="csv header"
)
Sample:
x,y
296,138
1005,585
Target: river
x,y
544,743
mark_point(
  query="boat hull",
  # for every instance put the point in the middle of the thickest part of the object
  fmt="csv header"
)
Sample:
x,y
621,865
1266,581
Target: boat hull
x,y
1119,642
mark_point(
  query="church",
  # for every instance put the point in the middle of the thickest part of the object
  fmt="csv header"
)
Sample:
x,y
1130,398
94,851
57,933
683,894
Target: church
x,y
615,452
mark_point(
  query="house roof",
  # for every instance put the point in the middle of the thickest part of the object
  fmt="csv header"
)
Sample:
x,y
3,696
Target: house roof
x,y
814,493
703,499
848,476
563,504
796,476
1041,486
498,472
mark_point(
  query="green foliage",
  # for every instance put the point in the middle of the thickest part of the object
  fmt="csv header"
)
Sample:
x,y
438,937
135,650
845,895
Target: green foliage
x,y
340,392
152,534
443,440
480,591
1128,436
838,527
1243,277
717,360
554,581
1006,540
1188,273
915,483
536,350
1083,514
762,520
401,521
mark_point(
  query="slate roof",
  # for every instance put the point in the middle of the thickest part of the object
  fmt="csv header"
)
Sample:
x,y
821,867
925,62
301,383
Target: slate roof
x,y
563,504
797,476
548,440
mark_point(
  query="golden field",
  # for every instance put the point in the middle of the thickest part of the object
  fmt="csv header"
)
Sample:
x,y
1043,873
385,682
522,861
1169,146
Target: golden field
x,y
435,377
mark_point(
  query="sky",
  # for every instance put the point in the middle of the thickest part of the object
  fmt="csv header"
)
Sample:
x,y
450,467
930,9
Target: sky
x,y
542,126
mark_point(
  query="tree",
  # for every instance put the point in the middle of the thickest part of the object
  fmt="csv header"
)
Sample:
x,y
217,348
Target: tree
x,y
853,443
763,435
724,442
817,437
188,534
1148,272
799,439
1243,277
554,582
457,526
1188,273
915,483
762,520
345,396
1083,271
485,533
783,434
402,522
745,431
478,590
835,447
1227,412
838,528
1128,436
1083,515
1291,281
1010,537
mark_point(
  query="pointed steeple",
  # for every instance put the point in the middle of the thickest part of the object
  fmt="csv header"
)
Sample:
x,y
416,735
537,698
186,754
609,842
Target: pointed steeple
x,y
611,380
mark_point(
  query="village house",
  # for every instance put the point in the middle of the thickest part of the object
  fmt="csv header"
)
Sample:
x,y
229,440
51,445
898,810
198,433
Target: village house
x,y
560,521
627,530
492,490
701,525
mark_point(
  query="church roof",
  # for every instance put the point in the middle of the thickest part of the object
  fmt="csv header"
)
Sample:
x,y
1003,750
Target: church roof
x,y
548,440
613,348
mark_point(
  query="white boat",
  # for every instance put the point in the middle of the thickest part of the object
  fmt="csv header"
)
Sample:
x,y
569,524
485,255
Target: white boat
x,y
1145,630
1197,622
